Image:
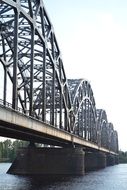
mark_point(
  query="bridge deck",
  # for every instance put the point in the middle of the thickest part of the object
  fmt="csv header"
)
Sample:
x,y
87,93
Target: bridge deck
x,y
17,125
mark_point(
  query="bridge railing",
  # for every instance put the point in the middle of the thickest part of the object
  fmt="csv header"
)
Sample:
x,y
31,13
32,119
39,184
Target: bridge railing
x,y
9,105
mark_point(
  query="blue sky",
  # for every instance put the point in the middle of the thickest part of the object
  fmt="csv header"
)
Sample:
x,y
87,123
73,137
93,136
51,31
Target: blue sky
x,y
92,36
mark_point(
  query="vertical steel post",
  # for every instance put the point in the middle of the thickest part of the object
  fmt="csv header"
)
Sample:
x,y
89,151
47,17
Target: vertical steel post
x,y
31,71
44,68
32,62
89,127
61,99
53,98
5,85
44,86
65,116
25,101
83,115
15,64
82,122
53,82
78,125
5,73
86,119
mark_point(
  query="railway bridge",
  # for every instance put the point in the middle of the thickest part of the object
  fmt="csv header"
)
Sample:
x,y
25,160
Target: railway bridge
x,y
40,105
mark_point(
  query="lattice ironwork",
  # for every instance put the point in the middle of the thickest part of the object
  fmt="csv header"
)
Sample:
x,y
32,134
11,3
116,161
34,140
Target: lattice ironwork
x,y
33,77
31,58
107,137
84,110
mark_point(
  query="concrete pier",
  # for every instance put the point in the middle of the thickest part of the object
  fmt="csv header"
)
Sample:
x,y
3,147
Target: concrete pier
x,y
116,159
47,161
112,159
94,161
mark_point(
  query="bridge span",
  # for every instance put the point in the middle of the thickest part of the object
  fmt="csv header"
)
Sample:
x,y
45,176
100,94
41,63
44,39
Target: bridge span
x,y
19,126
39,104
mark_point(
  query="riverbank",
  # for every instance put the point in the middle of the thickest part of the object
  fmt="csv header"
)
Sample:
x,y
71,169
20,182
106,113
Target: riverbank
x,y
4,160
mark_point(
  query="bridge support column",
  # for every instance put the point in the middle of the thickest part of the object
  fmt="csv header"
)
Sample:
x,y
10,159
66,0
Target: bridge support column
x,y
94,161
112,159
116,159
48,161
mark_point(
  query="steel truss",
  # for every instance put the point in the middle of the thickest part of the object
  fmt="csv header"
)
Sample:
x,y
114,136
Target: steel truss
x,y
107,136
33,77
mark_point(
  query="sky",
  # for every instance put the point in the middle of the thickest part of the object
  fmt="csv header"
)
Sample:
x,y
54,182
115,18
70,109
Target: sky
x,y
92,36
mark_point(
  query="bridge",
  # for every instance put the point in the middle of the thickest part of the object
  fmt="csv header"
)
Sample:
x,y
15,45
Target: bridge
x,y
39,104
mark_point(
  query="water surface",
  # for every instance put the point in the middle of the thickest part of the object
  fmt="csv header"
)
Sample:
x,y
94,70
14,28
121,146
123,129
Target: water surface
x,y
110,178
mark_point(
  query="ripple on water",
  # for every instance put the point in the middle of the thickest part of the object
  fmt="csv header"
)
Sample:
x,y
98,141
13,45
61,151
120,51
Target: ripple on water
x,y
110,178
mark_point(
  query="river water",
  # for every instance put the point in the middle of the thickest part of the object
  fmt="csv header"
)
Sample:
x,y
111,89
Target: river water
x,y
110,178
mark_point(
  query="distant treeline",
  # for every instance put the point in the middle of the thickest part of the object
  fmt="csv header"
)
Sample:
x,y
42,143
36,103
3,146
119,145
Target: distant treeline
x,y
9,148
122,157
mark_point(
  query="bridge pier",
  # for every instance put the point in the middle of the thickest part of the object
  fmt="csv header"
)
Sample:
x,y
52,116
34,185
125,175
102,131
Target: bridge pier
x,y
112,159
116,159
94,161
47,161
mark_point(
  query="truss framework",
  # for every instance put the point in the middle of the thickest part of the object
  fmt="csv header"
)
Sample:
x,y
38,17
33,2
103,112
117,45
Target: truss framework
x,y
34,76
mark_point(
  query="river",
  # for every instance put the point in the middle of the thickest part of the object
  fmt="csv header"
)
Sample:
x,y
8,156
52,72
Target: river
x,y
110,178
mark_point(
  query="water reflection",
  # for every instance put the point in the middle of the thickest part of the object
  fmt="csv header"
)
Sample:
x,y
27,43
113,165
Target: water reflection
x,y
109,178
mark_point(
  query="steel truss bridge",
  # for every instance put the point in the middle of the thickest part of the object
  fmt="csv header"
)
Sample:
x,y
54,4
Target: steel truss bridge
x,y
33,79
